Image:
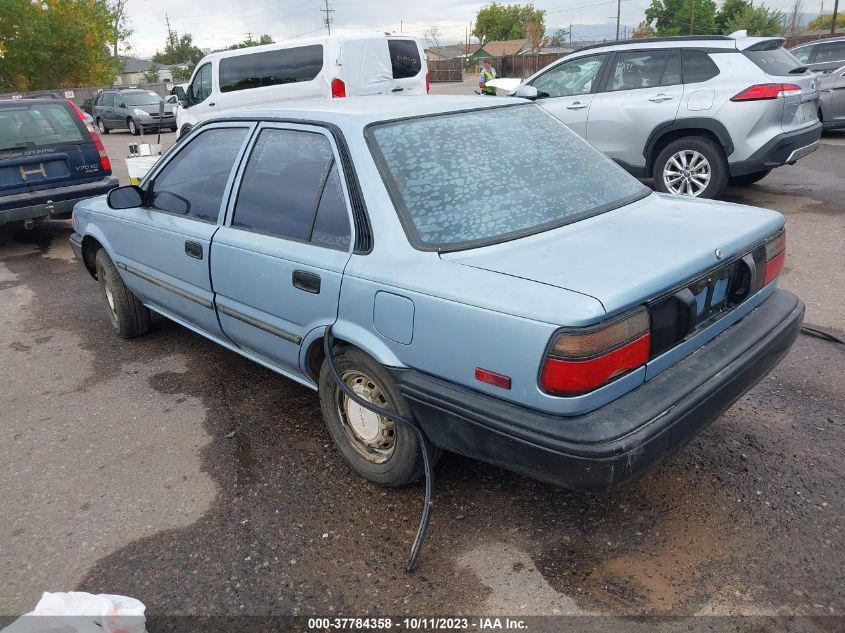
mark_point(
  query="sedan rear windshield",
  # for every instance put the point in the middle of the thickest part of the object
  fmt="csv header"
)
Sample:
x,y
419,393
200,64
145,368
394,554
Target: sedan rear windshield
x,y
774,60
38,125
471,178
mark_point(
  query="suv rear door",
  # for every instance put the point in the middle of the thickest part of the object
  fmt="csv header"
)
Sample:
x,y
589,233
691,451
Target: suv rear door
x,y
641,91
44,144
800,107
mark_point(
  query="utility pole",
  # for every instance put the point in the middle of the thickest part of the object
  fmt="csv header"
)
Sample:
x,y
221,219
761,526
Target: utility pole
x,y
570,32
328,18
692,20
619,16
833,21
401,27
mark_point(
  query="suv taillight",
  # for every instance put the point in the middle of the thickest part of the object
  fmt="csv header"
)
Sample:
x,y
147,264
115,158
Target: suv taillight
x,y
762,92
579,361
105,163
775,257
338,89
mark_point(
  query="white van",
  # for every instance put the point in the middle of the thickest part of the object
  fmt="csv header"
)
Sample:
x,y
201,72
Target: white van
x,y
330,66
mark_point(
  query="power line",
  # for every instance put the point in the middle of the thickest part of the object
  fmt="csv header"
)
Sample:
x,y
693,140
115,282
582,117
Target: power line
x,y
328,17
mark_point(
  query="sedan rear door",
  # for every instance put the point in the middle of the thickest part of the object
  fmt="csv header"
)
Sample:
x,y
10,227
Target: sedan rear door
x,y
278,262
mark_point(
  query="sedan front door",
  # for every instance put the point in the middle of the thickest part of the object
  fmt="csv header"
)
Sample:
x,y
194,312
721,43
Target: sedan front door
x,y
162,249
567,90
278,262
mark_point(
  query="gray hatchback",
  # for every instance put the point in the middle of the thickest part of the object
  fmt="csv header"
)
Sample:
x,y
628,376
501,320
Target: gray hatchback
x,y
132,109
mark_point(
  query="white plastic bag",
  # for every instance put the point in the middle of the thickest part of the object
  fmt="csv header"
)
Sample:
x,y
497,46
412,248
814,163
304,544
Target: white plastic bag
x,y
80,612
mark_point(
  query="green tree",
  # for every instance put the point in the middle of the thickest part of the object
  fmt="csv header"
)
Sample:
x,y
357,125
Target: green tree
x,y
179,50
495,22
642,31
823,22
264,39
120,25
151,74
55,44
674,17
730,10
758,21
181,73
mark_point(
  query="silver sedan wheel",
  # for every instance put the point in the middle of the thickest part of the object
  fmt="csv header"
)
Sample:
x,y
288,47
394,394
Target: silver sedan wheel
x,y
372,436
687,173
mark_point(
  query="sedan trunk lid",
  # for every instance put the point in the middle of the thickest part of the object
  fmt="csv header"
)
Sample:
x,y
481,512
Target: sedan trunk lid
x,y
627,256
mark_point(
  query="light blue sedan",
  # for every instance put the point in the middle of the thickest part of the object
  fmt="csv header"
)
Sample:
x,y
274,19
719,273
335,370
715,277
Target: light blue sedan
x,y
485,272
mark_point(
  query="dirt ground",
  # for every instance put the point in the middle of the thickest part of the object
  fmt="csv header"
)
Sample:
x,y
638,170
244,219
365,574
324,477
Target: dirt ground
x,y
171,470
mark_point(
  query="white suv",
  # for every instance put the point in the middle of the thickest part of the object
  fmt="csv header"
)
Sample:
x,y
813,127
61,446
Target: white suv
x,y
694,113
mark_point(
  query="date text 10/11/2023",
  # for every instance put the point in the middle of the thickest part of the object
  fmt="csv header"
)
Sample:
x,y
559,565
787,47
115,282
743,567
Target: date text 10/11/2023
x,y
416,624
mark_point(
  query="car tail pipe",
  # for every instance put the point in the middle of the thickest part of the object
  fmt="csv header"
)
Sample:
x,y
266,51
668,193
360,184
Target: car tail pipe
x,y
425,445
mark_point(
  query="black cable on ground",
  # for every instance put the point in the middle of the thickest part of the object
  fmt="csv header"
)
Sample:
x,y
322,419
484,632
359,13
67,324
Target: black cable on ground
x,y
425,445
825,336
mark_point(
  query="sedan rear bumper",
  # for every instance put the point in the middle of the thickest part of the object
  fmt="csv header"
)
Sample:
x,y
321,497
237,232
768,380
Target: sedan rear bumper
x,y
619,442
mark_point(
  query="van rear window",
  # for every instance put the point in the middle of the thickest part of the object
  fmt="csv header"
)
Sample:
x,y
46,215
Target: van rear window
x,y
271,68
405,58
38,125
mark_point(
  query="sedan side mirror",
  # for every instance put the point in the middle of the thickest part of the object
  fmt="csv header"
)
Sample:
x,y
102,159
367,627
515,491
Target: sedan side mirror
x,y
127,197
526,92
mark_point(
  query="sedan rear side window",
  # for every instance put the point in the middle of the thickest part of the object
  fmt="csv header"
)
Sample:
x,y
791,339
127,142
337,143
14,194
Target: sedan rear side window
x,y
193,182
469,178
291,189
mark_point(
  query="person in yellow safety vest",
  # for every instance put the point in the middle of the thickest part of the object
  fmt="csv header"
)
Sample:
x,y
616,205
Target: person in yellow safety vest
x,y
488,73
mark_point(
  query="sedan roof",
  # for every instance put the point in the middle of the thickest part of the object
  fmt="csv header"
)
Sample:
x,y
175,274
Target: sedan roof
x,y
361,111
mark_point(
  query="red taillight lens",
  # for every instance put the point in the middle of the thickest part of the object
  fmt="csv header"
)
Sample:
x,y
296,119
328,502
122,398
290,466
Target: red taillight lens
x,y
775,257
105,163
767,91
338,89
427,83
579,362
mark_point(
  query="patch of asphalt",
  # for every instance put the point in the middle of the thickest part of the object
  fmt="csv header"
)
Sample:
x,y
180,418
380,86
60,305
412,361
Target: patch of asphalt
x,y
92,458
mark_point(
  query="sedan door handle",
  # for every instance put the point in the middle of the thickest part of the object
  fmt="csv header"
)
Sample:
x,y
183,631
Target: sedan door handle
x,y
577,106
660,98
309,282
193,249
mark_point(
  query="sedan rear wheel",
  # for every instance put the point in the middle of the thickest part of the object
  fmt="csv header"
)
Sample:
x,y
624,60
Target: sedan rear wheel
x,y
376,447
691,166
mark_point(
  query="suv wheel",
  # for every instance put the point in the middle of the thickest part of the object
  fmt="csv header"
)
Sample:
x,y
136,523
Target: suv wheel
x,y
691,166
101,125
378,449
133,128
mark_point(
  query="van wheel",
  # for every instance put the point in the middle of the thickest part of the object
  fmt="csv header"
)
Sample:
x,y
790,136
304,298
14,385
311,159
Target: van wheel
x,y
128,316
133,128
378,449
101,125
749,179
691,166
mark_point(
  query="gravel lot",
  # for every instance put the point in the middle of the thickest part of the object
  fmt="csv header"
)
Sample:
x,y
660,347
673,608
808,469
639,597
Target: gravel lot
x,y
120,472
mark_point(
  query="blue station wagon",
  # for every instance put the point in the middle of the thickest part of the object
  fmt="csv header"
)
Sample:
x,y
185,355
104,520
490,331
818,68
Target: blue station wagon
x,y
484,271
